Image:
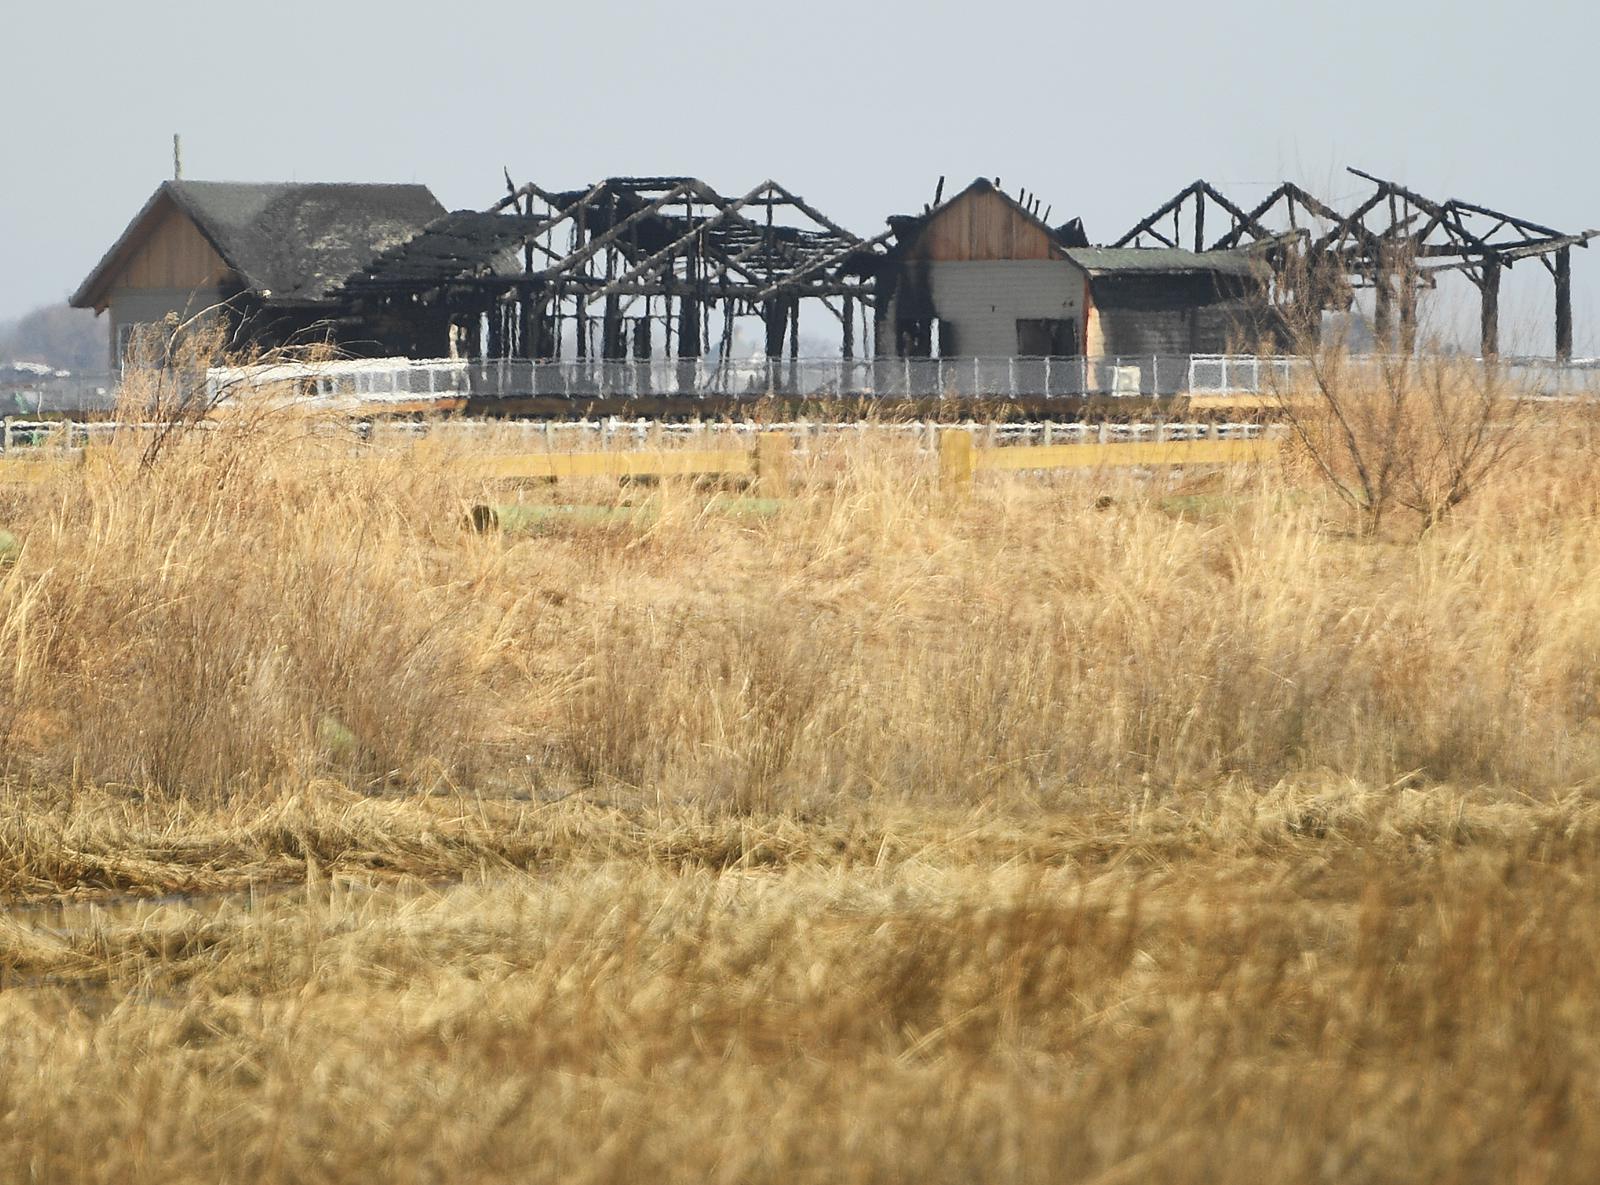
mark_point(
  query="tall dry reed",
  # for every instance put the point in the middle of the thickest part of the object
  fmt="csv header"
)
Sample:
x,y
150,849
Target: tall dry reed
x,y
275,600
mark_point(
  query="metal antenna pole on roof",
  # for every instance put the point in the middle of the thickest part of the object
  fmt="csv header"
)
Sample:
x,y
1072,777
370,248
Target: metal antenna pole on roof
x,y
177,157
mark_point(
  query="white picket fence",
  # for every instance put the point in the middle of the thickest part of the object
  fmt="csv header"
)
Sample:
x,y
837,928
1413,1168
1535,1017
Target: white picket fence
x,y
615,432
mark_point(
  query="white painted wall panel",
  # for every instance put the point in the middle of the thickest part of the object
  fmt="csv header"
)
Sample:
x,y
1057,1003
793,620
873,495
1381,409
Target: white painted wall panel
x,y
129,307
985,300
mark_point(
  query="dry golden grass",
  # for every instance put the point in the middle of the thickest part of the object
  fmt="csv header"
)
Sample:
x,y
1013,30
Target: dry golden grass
x,y
1189,837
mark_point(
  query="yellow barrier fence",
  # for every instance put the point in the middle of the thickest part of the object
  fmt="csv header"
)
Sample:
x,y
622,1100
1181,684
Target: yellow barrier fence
x,y
960,458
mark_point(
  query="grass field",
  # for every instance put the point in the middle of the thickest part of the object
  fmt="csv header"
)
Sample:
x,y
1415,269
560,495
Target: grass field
x,y
1112,827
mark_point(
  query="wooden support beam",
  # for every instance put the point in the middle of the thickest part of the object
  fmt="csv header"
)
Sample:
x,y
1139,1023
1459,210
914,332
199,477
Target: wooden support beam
x,y
583,254
1490,285
642,351
613,344
1383,311
775,316
1564,304
1148,225
677,245
1408,309
794,344
689,328
827,259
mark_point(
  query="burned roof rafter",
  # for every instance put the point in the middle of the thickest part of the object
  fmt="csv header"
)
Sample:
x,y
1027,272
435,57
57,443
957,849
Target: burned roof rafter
x,y
1429,229
653,233
1392,232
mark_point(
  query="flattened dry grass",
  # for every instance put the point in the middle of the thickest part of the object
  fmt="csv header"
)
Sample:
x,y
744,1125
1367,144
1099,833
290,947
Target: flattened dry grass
x,y
1342,985
1102,828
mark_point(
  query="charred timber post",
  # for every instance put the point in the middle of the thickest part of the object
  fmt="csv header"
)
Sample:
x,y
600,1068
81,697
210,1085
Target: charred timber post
x,y
541,339
496,321
775,316
613,344
1382,313
642,351
1563,273
688,338
1491,306
848,346
688,326
794,344
1408,307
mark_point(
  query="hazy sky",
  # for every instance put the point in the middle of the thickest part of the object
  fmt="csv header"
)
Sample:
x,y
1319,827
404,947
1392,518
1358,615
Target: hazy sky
x,y
1104,110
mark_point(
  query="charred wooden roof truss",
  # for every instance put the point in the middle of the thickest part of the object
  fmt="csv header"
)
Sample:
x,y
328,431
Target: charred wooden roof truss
x,y
632,248
636,236
1391,240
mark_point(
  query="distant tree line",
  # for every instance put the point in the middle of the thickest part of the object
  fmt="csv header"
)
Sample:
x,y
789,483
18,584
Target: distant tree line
x,y
62,337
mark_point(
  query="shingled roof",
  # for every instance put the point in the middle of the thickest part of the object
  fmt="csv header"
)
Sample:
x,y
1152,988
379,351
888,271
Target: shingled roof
x,y
290,243
459,244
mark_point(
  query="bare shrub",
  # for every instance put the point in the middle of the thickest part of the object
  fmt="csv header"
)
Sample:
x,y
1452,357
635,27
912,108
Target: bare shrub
x,y
1397,431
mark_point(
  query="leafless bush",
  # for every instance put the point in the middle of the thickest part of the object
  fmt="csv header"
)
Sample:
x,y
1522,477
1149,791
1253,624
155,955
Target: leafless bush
x,y
1398,430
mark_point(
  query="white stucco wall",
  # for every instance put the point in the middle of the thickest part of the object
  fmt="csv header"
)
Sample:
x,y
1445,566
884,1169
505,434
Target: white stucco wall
x,y
149,306
984,300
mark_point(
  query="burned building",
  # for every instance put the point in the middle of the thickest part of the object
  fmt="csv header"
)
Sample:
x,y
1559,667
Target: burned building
x,y
623,271
634,285
983,275
268,258
1393,243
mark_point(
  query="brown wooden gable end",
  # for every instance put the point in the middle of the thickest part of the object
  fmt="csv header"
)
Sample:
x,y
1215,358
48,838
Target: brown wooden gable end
x,y
164,250
985,225
172,254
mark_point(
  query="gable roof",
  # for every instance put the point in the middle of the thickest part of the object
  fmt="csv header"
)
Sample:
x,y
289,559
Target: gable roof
x,y
290,243
1067,241
908,228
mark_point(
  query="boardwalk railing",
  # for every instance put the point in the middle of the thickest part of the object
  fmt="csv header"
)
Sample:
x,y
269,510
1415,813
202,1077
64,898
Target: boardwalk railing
x,y
408,384
405,382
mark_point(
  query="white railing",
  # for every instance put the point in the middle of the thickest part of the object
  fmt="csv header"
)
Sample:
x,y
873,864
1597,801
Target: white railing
x,y
405,380
1134,376
358,382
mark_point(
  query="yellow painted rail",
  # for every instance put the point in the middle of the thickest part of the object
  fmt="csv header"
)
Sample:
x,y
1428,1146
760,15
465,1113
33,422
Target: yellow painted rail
x,y
960,458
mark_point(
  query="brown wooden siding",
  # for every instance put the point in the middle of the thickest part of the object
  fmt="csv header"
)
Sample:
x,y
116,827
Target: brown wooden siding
x,y
173,255
983,226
